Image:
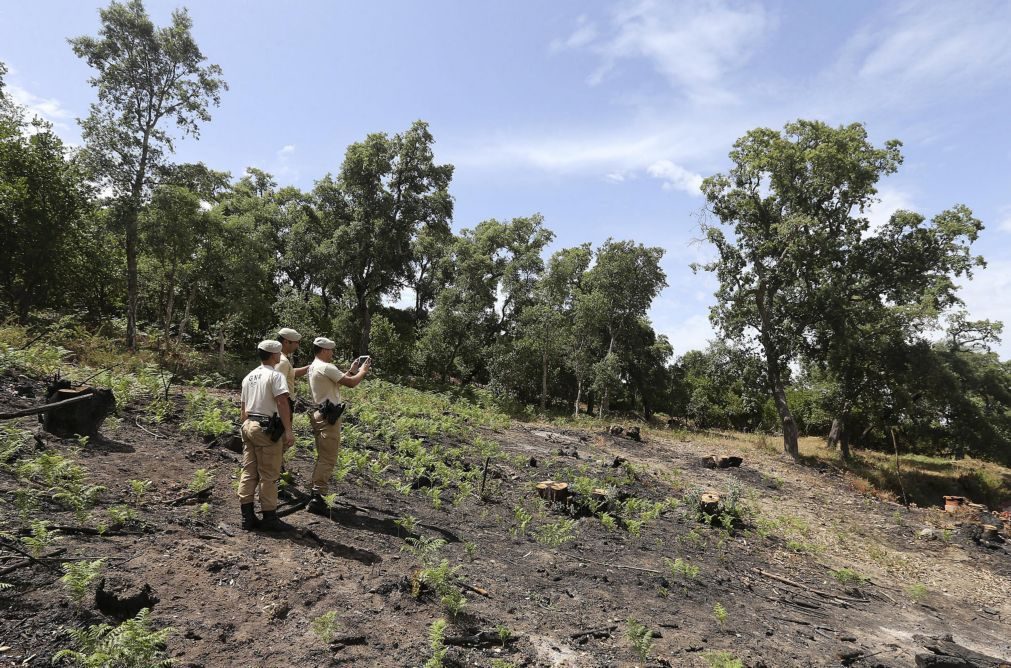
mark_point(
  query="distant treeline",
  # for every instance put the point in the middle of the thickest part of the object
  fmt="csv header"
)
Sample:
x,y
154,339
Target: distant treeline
x,y
824,321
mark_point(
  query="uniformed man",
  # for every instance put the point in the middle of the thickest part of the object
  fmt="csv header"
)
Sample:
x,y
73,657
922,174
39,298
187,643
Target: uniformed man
x,y
325,380
264,394
289,339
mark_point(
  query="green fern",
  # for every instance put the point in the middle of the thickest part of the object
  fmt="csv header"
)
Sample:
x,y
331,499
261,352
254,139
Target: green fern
x,y
78,576
132,644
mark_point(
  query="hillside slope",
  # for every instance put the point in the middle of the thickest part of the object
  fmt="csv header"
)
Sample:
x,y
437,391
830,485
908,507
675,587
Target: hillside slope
x,y
436,518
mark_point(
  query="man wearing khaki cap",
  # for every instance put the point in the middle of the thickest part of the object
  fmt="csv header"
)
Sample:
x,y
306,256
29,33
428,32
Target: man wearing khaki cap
x,y
264,401
325,380
289,339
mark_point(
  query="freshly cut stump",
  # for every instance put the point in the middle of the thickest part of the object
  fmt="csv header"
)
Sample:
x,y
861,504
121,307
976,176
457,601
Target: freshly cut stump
x,y
709,503
553,491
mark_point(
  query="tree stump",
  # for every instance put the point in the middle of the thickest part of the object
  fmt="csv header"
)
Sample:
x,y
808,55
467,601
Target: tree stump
x,y
709,503
634,434
729,461
709,461
553,491
615,430
82,417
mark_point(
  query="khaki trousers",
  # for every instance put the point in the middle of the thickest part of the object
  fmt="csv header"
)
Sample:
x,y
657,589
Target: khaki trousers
x,y
261,466
328,443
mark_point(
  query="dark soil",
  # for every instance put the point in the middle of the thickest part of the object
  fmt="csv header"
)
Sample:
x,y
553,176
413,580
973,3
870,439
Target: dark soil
x,y
239,598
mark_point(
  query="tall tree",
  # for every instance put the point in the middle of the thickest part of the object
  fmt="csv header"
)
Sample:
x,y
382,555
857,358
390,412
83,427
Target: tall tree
x,y
148,78
171,228
388,187
789,200
627,278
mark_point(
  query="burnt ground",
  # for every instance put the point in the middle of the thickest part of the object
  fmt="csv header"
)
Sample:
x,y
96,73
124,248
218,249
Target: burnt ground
x,y
238,598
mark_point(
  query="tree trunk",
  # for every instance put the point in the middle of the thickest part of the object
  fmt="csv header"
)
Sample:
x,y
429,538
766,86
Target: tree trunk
x,y
131,278
186,314
579,396
844,439
589,402
133,212
170,302
834,433
221,349
791,438
544,381
607,389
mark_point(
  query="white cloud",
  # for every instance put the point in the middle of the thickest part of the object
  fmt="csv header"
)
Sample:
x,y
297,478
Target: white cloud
x,y
283,169
692,45
1004,219
675,177
49,109
890,200
584,33
988,296
615,177
917,51
692,333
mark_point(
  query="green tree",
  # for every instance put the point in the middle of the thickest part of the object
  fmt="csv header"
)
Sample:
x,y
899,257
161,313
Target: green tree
x,y
388,188
45,211
789,202
626,278
147,78
171,227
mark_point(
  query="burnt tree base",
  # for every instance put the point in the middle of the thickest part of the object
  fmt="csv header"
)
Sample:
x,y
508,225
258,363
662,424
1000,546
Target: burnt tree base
x,y
81,417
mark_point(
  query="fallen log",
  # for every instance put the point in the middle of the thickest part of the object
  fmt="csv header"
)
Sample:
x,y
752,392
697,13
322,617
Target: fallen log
x,y
823,594
480,639
37,410
949,654
191,496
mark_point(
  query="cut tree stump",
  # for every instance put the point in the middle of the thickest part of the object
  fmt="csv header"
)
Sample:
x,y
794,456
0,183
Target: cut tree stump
x,y
553,491
709,503
67,418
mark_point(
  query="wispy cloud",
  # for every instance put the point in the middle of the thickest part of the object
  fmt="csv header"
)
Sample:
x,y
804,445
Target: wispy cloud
x,y
284,170
915,51
693,45
1004,219
584,33
49,109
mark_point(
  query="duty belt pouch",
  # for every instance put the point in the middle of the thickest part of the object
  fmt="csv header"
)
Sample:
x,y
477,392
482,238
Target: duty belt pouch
x,y
331,412
275,428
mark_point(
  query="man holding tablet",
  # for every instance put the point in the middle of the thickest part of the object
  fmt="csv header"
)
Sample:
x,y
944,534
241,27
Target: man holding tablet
x,y
325,380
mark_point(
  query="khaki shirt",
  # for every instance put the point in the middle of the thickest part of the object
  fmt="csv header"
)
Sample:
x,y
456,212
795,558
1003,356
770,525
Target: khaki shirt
x,y
260,389
323,379
288,371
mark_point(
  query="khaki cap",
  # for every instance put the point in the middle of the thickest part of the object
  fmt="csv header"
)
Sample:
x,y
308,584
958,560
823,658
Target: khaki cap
x,y
270,346
323,342
290,334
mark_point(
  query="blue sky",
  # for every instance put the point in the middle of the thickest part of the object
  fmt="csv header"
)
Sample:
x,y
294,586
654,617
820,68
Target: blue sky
x,y
601,116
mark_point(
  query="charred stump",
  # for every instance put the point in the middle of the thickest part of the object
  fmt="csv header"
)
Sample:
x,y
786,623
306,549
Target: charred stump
x,y
84,416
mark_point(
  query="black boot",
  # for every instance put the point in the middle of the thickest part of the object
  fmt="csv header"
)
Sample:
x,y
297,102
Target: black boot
x,y
317,504
271,522
249,521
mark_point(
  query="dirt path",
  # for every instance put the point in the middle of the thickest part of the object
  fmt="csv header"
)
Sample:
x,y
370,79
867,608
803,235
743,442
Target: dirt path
x,y
248,599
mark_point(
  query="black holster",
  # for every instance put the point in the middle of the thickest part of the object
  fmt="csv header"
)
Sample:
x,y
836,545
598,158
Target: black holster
x,y
275,428
330,411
